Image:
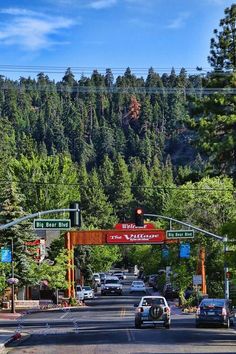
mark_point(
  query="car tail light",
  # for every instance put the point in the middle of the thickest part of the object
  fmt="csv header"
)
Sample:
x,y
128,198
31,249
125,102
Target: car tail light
x,y
198,311
167,310
140,309
224,312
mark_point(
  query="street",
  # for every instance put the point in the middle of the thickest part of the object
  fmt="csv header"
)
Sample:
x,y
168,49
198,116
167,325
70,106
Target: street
x,y
106,325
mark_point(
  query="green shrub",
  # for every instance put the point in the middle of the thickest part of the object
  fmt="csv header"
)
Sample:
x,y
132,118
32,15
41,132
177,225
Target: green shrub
x,y
72,301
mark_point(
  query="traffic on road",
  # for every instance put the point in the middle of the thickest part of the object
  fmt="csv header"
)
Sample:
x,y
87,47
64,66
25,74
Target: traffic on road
x,y
121,323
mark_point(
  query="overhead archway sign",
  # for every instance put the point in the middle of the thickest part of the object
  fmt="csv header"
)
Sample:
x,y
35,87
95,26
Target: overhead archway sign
x,y
136,237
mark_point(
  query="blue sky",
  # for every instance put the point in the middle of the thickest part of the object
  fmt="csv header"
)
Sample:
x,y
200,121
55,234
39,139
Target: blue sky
x,y
99,34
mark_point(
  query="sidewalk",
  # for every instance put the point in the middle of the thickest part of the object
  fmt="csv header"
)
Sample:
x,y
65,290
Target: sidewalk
x,y
8,335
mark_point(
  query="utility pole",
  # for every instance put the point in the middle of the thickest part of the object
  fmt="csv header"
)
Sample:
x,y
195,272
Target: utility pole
x,y
226,269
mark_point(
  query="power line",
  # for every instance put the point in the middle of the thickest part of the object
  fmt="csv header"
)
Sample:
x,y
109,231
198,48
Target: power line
x,y
115,70
57,88
208,189
103,68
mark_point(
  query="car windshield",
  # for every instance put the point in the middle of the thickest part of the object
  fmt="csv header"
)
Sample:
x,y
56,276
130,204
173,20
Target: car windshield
x,y
111,281
135,283
213,303
153,301
87,288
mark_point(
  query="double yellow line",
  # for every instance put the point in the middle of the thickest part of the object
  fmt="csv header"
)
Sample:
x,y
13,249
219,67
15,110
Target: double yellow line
x,y
122,312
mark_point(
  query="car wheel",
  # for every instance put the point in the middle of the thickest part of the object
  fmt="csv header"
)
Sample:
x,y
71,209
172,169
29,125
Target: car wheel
x,y
197,325
137,324
167,325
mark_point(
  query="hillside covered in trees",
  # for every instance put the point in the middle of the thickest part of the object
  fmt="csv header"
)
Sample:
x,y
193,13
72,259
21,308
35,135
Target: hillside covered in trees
x,y
112,143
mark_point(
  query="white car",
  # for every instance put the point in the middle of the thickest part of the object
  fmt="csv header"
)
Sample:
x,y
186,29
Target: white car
x,y
88,292
96,278
152,310
79,293
119,275
138,286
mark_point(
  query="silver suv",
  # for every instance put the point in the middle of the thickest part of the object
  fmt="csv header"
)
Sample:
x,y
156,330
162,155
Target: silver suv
x,y
152,310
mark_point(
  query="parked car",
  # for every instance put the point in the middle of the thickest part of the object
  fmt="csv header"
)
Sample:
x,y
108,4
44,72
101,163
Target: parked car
x,y
79,293
120,275
111,285
152,310
215,311
88,292
138,286
96,278
102,277
169,292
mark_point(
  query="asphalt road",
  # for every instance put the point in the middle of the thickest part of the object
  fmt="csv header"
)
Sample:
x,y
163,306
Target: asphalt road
x,y
106,326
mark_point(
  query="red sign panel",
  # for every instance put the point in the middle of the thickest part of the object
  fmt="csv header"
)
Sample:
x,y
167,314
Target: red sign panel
x,y
132,226
136,236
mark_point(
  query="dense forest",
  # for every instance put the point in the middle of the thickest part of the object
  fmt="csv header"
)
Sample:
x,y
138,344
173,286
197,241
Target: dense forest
x,y
164,142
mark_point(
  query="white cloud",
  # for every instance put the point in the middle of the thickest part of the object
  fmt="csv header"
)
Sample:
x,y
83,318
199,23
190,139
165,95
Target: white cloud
x,y
18,11
137,22
31,30
179,21
217,2
139,2
101,4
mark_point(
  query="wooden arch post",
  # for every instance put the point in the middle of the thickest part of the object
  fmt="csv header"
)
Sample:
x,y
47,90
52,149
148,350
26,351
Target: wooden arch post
x,y
70,292
201,268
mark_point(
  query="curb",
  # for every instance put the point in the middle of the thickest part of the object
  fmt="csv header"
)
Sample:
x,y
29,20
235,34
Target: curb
x,y
15,339
30,311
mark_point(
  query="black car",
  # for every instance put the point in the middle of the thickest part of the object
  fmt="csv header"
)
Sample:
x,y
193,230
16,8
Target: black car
x,y
169,292
215,311
152,279
111,286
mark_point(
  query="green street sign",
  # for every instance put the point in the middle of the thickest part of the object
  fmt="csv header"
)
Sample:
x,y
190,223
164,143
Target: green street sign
x,y
179,234
52,224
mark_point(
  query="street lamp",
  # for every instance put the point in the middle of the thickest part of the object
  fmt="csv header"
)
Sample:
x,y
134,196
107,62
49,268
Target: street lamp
x,y
12,281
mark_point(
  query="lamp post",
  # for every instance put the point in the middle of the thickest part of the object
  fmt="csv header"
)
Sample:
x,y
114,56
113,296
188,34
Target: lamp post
x,y
13,309
12,281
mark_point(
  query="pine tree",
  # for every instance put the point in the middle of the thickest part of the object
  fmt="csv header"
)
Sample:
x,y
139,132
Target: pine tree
x,y
223,46
141,184
216,127
122,196
106,174
97,211
11,200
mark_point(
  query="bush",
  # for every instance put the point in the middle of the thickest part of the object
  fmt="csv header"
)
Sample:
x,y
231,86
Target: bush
x,y
72,301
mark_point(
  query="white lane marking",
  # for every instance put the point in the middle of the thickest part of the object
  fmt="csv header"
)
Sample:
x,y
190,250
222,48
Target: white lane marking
x,y
129,336
64,315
